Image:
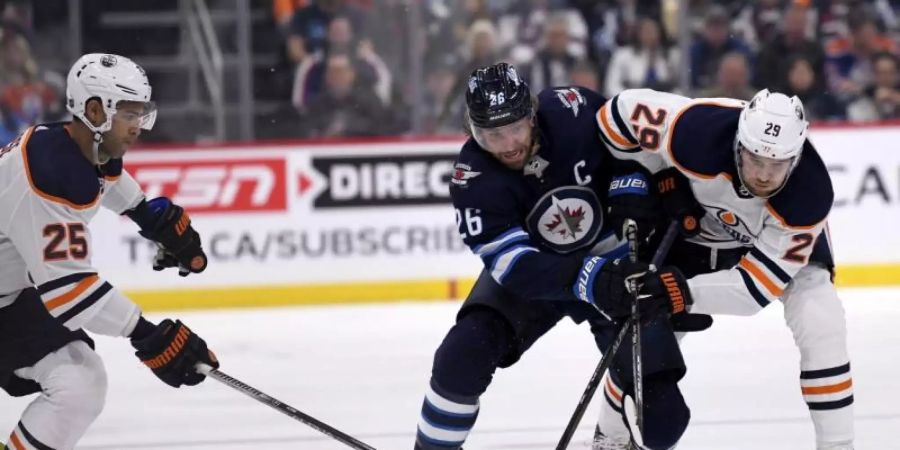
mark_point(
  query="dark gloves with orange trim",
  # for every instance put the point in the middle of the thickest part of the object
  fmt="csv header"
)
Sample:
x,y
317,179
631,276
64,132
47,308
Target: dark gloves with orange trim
x,y
678,201
169,225
171,350
661,293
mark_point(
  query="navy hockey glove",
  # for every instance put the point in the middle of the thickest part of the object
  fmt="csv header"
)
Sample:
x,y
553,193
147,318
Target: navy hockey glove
x,y
678,200
169,225
604,284
629,197
171,350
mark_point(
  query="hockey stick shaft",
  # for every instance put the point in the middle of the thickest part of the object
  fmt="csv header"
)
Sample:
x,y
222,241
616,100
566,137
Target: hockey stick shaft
x,y
606,360
281,407
637,361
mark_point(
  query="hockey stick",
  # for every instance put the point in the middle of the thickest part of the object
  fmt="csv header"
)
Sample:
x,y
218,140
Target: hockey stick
x,y
281,407
630,232
606,360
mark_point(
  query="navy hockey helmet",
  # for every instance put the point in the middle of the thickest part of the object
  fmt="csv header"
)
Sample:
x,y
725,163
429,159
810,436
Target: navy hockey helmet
x,y
497,96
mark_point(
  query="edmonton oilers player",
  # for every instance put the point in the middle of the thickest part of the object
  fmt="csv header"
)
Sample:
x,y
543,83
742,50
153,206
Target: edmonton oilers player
x,y
526,190
764,196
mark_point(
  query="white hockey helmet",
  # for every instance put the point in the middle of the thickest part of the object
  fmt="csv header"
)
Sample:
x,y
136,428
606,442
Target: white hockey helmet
x,y
772,126
112,79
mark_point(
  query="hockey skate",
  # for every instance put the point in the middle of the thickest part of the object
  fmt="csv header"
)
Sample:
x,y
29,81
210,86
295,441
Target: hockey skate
x,y
603,442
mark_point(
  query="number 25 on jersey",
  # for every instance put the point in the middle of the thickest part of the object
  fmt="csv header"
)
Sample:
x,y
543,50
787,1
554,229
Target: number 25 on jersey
x,y
66,241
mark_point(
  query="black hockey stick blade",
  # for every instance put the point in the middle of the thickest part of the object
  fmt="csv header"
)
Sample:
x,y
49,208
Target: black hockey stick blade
x,y
282,407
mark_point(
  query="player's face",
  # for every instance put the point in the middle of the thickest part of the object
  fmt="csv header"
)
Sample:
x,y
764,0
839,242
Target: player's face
x,y
763,176
127,123
510,144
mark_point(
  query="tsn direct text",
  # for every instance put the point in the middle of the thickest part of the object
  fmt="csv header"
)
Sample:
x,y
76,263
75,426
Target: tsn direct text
x,y
238,185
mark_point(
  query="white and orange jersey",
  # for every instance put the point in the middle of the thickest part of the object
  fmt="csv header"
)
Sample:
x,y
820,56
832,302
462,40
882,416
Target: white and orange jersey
x,y
48,193
696,136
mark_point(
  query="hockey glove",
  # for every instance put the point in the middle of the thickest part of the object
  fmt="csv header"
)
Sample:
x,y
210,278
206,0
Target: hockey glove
x,y
171,350
169,225
629,197
678,200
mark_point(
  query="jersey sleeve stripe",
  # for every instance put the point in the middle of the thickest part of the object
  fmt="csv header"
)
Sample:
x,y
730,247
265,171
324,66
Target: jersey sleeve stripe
x,y
606,129
773,267
506,260
88,301
512,235
761,277
53,285
623,127
71,294
751,288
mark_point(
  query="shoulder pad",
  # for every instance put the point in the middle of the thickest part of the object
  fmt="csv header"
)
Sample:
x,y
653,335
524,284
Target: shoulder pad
x,y
112,170
808,195
702,142
56,168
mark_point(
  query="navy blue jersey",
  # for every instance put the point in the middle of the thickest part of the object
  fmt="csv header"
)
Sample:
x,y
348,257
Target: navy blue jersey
x,y
531,227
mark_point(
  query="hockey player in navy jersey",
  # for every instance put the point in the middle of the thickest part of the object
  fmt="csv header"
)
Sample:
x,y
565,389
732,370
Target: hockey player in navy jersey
x,y
525,191
53,180
762,195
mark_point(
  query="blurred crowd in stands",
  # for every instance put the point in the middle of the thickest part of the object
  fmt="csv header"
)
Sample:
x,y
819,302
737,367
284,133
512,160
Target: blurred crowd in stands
x,y
349,62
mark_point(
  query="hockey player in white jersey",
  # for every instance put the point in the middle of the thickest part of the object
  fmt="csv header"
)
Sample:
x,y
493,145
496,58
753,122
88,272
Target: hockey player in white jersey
x,y
762,195
53,180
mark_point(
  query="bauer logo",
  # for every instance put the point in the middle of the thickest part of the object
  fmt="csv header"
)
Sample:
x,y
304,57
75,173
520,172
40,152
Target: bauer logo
x,y
391,180
242,185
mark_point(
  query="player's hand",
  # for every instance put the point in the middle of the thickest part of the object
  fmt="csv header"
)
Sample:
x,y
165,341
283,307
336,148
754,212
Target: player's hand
x,y
678,200
171,351
180,243
629,197
605,284
19,387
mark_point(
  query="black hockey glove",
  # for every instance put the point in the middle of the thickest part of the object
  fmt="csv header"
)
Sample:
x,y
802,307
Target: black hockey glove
x,y
169,225
629,197
171,350
661,293
678,200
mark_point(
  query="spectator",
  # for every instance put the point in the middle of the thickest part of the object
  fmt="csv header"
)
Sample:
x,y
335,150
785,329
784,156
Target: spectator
x,y
848,58
553,63
345,108
25,96
788,45
522,29
732,79
585,74
757,23
802,81
649,62
308,29
881,100
443,107
707,52
283,11
370,69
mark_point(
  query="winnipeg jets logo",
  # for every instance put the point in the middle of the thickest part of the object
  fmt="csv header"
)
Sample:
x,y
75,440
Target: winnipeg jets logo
x,y
566,218
462,173
571,99
566,222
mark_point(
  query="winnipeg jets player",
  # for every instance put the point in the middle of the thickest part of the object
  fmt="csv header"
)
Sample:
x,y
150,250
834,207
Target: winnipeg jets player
x,y
766,195
53,180
529,191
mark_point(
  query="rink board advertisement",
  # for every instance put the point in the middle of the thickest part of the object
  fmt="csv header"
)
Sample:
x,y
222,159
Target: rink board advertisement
x,y
290,224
